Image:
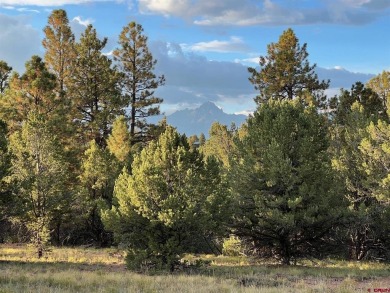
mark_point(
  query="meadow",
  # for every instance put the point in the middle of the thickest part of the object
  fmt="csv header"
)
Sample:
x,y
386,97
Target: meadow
x,y
103,270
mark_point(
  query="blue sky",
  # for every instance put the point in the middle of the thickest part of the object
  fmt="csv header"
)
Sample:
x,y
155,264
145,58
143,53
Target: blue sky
x,y
204,47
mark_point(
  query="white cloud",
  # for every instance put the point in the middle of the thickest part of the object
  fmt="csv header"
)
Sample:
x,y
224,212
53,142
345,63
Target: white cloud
x,y
83,22
234,44
191,79
110,53
46,2
165,7
267,12
245,112
19,41
338,67
78,25
24,9
251,61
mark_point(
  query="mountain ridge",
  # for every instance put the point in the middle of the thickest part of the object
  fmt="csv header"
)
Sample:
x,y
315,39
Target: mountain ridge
x,y
199,120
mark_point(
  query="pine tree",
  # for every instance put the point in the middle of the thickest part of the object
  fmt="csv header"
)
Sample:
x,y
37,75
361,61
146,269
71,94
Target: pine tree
x,y
59,46
285,201
285,73
119,140
173,202
7,205
99,171
220,143
202,139
5,72
39,172
139,82
33,91
381,85
94,89
363,231
375,152
372,104
376,157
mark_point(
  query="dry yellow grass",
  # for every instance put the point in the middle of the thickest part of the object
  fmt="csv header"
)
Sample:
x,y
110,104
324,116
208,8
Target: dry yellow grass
x,y
103,270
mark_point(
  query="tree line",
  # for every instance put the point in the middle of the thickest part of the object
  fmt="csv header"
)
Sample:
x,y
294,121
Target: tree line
x,y
307,176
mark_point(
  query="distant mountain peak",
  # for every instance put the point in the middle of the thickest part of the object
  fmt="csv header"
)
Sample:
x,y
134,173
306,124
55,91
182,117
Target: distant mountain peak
x,y
199,120
208,104
210,108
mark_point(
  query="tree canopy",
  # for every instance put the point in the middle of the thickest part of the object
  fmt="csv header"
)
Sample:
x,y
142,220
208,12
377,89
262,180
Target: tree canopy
x,y
139,82
285,73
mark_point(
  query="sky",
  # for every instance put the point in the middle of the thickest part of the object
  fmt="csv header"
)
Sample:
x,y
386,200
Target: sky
x,y
204,47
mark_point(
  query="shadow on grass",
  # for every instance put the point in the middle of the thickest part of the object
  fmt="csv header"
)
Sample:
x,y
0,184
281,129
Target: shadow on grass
x,y
62,266
249,276
216,270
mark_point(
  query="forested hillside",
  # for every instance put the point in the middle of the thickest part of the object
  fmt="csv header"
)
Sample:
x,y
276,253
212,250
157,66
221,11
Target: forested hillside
x,y
306,176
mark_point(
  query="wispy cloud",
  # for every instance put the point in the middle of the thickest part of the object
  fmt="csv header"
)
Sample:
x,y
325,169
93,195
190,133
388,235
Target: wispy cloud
x,y
46,2
268,12
251,60
19,41
24,9
84,22
244,12
234,44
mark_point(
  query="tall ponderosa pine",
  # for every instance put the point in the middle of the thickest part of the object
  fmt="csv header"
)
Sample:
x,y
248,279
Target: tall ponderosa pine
x,y
33,91
39,173
94,89
5,72
59,46
59,55
286,205
285,73
172,203
139,82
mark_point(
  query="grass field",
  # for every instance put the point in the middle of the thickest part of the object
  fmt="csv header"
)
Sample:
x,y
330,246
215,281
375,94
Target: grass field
x,y
98,270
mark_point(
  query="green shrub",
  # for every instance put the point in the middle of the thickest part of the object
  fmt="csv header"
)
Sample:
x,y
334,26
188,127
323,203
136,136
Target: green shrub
x,y
232,246
144,261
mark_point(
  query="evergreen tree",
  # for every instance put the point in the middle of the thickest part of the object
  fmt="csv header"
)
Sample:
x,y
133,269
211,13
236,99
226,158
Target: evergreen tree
x,y
59,46
376,154
94,89
193,141
39,172
5,72
364,232
380,84
202,139
172,203
286,205
119,140
285,73
372,105
33,91
375,151
6,200
220,143
139,82
99,171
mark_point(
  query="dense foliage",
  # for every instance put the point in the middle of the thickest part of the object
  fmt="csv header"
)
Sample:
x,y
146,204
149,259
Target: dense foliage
x,y
306,176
